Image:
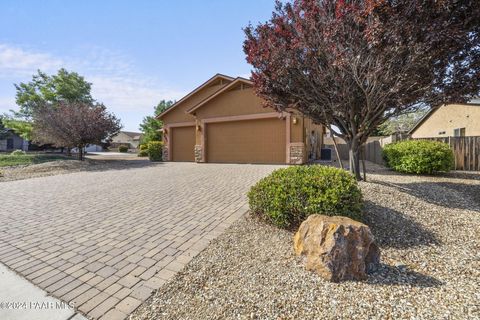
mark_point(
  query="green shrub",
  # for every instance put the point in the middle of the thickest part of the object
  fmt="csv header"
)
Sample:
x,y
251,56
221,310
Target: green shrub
x,y
142,153
18,152
288,196
155,150
122,149
143,147
419,156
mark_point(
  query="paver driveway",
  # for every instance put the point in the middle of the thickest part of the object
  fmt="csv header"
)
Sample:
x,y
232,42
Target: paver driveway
x,y
105,240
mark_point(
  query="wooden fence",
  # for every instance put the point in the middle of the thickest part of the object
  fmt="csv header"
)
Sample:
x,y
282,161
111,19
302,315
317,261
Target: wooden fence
x,y
465,149
372,151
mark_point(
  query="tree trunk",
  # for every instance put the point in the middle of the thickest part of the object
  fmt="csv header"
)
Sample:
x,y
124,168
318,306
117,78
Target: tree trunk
x,y
354,158
80,153
336,151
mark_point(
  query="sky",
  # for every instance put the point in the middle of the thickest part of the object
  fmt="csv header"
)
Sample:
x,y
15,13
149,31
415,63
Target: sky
x,y
135,53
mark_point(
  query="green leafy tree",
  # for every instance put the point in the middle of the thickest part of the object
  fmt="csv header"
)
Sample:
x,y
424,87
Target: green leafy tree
x,y
400,124
3,131
150,125
43,90
21,127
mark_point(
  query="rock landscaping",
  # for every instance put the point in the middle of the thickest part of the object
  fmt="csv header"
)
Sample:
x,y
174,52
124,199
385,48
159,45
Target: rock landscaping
x,y
426,227
337,248
51,168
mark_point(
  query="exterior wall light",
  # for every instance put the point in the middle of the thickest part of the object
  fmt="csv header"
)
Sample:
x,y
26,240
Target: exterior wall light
x,y
294,120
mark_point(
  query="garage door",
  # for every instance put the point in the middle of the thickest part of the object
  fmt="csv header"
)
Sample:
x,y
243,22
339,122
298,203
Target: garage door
x,y
183,144
249,141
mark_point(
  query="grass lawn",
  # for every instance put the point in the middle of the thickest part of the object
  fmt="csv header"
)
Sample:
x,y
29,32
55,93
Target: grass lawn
x,y
10,160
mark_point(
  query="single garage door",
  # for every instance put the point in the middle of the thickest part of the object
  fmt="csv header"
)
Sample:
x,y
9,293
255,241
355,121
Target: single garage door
x,y
248,141
183,144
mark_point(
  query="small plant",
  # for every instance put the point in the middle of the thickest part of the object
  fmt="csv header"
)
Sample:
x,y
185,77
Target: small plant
x,y
419,156
18,152
122,148
143,153
288,196
155,149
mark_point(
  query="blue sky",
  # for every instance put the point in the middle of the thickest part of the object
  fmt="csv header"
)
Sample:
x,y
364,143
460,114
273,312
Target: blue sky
x,y
134,52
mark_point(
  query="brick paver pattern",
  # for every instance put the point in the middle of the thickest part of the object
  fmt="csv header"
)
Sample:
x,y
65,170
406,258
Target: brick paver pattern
x,y
106,240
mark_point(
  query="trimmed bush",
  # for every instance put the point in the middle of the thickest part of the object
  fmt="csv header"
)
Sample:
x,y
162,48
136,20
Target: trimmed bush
x,y
18,152
122,149
155,150
419,156
143,146
143,153
288,196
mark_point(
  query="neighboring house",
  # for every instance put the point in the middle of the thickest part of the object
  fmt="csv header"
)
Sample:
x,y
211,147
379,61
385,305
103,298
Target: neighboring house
x,y
12,141
130,139
453,120
224,121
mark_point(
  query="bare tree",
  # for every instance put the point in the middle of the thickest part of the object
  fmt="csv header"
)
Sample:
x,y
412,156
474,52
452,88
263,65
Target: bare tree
x,y
74,124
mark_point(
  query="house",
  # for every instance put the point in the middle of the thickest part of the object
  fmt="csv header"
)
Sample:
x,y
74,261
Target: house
x,y
223,121
454,120
130,139
10,141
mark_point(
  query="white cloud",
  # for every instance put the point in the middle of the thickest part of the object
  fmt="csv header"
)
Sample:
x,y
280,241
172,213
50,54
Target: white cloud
x,y
115,82
6,103
15,61
130,94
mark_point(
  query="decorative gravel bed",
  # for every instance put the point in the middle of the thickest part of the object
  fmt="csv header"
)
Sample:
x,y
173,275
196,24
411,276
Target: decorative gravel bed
x,y
427,228
66,166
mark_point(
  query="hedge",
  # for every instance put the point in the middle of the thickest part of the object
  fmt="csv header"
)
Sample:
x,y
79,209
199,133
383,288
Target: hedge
x,y
288,196
419,156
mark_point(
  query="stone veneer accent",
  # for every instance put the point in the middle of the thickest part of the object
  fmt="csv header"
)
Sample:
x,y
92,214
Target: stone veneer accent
x,y
198,153
297,153
165,153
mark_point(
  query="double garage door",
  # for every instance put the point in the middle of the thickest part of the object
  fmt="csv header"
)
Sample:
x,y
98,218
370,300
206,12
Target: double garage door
x,y
246,141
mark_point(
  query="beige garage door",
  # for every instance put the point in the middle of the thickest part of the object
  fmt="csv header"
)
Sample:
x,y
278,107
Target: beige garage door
x,y
183,144
249,141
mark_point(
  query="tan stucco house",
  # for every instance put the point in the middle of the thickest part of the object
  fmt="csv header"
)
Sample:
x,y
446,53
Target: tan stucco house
x,y
449,121
223,121
127,138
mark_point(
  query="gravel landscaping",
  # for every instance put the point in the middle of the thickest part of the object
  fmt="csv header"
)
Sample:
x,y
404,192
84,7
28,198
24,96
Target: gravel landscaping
x,y
427,228
51,168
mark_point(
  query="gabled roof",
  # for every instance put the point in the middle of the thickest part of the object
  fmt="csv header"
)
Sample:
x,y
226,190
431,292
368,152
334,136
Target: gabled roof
x,y
423,119
432,111
219,92
132,135
203,85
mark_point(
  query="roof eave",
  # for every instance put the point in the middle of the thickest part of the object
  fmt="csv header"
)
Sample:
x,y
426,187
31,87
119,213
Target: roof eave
x,y
203,85
218,92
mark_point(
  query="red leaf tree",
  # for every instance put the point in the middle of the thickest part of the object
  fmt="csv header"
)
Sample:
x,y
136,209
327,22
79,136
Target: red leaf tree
x,y
352,64
74,124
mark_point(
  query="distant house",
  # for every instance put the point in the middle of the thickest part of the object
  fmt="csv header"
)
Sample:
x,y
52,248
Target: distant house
x,y
452,120
10,141
130,139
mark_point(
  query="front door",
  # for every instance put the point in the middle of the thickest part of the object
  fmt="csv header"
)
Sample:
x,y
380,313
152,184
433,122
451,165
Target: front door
x,y
9,144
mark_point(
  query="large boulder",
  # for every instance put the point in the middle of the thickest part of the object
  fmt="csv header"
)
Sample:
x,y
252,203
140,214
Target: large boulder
x,y
337,248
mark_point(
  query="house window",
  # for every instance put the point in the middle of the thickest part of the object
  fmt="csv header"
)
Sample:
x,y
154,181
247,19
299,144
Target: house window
x,y
460,132
9,144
